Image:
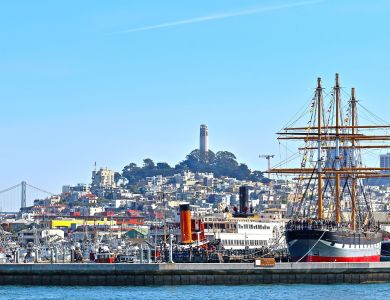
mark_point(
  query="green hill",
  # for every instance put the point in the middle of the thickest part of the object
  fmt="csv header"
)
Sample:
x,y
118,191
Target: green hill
x,y
222,163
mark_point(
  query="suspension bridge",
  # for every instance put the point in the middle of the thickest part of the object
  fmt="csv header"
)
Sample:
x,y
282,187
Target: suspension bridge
x,y
21,195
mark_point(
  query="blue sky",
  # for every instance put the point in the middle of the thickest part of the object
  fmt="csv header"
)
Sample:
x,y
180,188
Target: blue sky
x,y
80,83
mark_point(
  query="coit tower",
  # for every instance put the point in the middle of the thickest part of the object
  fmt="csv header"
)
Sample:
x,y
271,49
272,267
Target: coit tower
x,y
204,139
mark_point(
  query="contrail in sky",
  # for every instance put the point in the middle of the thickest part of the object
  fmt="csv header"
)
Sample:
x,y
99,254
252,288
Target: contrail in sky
x,y
223,16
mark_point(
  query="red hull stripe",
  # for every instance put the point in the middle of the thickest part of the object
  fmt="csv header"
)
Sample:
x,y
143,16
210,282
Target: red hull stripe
x,y
310,258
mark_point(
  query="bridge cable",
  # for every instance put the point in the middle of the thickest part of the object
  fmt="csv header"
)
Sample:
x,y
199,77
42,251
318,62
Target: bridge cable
x,y
10,188
41,190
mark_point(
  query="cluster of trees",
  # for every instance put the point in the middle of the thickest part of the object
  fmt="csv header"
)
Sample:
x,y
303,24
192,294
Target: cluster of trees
x,y
222,163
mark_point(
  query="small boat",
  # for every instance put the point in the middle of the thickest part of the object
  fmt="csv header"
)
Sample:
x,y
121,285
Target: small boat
x,y
124,258
105,256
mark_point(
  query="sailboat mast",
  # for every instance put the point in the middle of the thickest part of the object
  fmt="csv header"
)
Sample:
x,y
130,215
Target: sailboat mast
x,y
353,183
319,166
337,154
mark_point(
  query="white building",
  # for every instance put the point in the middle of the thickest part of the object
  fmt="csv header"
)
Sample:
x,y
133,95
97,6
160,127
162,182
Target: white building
x,y
103,178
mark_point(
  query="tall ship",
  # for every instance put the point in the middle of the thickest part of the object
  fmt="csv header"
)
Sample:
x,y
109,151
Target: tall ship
x,y
332,217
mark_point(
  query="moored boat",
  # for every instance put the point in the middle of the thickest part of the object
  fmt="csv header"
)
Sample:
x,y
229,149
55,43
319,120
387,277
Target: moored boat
x,y
104,255
332,214
327,243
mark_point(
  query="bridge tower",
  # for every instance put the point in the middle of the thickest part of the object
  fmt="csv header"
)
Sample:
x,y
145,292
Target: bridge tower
x,y
23,195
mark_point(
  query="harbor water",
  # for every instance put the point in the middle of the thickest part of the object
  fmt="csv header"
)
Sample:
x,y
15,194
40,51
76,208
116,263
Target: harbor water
x,y
345,291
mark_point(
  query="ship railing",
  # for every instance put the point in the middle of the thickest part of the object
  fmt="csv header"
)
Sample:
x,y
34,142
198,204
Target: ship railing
x,y
327,227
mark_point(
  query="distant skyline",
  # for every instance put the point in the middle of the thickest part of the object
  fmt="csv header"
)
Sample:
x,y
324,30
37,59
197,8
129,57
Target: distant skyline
x,y
117,82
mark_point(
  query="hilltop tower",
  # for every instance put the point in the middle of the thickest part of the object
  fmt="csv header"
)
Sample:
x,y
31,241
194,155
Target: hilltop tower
x,y
204,139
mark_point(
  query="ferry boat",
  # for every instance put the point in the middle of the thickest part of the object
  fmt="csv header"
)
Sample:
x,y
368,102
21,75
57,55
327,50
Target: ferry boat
x,y
332,214
246,230
237,231
245,233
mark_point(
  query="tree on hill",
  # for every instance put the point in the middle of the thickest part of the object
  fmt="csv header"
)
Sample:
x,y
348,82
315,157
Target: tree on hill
x,y
131,172
197,162
149,164
134,174
117,177
223,163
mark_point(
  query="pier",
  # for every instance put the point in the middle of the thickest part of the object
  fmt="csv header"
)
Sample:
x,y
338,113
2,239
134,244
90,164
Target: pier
x,y
192,274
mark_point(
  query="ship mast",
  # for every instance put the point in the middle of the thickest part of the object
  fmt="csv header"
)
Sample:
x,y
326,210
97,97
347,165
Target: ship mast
x,y
337,152
353,182
331,135
319,142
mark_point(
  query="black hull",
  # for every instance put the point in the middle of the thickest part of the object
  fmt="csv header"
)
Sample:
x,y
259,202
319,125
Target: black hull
x,y
323,245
